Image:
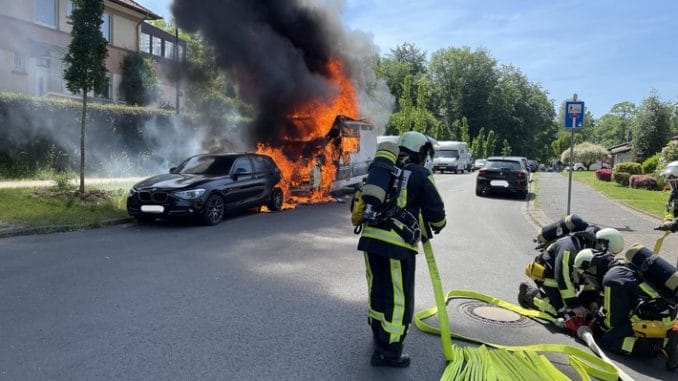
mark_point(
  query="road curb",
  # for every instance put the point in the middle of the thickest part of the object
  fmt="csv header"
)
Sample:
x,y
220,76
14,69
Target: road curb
x,y
19,230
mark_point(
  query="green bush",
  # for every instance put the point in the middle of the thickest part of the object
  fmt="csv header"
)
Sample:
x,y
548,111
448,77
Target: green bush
x,y
621,178
650,164
628,167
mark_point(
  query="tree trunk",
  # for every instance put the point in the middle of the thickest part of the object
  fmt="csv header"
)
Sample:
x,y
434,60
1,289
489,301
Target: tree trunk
x,y
82,143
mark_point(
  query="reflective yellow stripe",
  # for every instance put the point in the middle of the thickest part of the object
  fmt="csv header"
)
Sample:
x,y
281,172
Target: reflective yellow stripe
x,y
391,328
544,305
627,345
389,236
438,223
398,299
550,282
370,278
649,290
388,155
607,304
569,291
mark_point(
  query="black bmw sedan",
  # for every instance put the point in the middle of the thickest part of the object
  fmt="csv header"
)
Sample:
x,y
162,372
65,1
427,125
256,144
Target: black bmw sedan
x,y
503,174
206,186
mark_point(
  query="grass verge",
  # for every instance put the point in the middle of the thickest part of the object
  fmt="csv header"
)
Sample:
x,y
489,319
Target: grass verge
x,y
42,207
652,202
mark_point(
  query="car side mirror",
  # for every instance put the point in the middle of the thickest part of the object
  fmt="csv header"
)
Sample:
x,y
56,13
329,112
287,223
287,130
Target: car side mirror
x,y
173,170
240,172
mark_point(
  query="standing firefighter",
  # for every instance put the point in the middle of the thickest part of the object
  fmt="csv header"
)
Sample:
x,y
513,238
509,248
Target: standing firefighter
x,y
389,239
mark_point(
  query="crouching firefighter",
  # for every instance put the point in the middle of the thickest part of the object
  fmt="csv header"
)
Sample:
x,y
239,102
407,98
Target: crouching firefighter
x,y
639,312
390,236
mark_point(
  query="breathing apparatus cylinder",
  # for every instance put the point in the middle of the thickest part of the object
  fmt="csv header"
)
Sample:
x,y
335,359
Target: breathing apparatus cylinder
x,y
379,178
651,329
561,228
655,269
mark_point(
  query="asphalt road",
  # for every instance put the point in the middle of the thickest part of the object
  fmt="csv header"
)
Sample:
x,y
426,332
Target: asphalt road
x,y
260,296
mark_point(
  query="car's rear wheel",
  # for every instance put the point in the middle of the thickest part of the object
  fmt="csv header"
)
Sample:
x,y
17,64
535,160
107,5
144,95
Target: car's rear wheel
x,y
479,192
276,201
213,211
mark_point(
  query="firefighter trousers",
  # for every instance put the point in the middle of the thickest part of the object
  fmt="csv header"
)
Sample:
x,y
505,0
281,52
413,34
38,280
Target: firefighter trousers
x,y
390,285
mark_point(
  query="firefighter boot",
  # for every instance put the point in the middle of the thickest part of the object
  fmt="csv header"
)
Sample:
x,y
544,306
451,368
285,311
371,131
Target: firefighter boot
x,y
526,295
390,355
672,350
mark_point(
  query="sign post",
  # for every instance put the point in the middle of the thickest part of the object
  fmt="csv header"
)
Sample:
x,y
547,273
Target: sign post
x,y
574,118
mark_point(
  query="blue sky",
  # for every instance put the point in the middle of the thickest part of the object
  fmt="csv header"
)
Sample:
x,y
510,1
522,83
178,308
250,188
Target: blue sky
x,y
605,51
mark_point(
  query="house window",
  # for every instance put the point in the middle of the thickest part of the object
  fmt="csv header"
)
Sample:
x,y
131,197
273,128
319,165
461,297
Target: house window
x,y
106,27
106,93
181,53
157,46
19,63
145,43
169,50
46,12
42,62
69,8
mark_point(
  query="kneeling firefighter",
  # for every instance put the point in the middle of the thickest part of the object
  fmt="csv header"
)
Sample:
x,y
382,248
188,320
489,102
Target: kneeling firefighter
x,y
389,240
638,317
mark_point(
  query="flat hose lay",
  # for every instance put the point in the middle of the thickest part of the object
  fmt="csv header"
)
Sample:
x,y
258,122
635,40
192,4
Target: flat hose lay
x,y
520,363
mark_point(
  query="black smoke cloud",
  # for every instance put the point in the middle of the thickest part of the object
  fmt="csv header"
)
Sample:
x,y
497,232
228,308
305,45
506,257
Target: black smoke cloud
x,y
275,50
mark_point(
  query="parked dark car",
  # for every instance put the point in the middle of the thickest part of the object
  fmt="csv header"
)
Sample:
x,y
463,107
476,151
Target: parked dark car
x,y
206,186
503,174
534,166
477,164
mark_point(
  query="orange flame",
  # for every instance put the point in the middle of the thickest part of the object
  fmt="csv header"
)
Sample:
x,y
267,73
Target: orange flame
x,y
313,121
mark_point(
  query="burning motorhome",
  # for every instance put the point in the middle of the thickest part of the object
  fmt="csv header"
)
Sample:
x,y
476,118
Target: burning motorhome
x,y
293,62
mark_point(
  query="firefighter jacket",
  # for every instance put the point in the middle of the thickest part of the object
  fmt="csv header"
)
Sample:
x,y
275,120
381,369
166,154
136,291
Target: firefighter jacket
x,y
623,290
418,196
561,256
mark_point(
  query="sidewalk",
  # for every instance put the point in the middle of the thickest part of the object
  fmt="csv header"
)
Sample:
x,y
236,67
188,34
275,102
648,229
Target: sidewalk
x,y
595,208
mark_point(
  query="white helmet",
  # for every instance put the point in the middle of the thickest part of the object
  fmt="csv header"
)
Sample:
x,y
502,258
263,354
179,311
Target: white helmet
x,y
416,143
611,240
670,174
583,260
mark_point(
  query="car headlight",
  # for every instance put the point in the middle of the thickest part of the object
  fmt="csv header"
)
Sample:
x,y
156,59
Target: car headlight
x,y
190,194
132,191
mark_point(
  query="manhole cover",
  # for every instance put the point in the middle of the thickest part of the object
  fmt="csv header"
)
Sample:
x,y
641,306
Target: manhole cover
x,y
491,314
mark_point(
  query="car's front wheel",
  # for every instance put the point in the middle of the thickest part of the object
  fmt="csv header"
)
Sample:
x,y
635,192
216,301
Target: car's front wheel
x,y
479,192
276,201
213,211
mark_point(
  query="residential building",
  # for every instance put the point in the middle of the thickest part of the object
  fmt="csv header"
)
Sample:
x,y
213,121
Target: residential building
x,y
34,37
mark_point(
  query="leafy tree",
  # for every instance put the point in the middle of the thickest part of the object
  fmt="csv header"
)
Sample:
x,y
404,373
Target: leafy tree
x,y
563,141
86,61
463,84
483,145
506,148
654,126
139,84
412,116
615,127
586,153
404,60
522,113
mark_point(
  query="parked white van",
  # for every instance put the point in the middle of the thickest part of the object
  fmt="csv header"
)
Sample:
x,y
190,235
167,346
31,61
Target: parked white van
x,y
452,156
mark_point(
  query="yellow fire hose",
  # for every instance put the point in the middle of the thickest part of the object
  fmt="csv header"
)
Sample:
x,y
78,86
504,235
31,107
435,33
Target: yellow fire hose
x,y
503,363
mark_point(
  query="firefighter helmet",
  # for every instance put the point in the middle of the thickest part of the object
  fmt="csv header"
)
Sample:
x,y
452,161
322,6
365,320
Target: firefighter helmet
x,y
670,174
591,265
611,240
416,143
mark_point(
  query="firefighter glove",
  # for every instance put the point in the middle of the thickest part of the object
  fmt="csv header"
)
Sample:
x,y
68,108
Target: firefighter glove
x,y
671,226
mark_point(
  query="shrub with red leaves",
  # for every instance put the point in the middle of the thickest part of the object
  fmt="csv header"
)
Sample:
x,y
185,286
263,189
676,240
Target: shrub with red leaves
x,y
604,174
643,182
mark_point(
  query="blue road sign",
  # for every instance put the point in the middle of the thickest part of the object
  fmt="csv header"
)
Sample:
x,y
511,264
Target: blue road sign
x,y
574,114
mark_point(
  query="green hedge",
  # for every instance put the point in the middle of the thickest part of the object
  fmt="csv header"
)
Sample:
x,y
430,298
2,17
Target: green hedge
x,y
38,134
629,167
